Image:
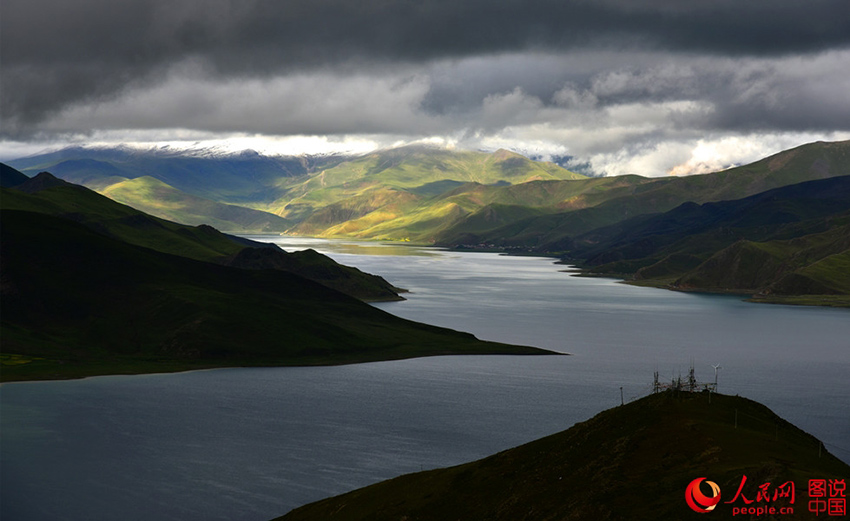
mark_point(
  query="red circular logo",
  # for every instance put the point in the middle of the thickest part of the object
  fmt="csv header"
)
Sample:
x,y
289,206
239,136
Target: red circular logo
x,y
698,501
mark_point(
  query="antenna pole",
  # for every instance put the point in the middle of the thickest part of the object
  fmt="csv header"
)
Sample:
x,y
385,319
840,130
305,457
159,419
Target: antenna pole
x,y
716,367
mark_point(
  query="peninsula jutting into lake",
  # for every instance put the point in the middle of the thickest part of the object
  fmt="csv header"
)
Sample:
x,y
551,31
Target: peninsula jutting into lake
x,y
91,286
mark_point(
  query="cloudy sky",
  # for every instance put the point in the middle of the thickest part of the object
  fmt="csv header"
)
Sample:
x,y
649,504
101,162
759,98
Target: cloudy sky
x,y
651,87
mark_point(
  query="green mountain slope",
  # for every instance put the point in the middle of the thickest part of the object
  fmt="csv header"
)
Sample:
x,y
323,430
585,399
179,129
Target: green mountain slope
x,y
46,194
413,167
628,463
404,193
377,195
396,194
157,198
154,197
554,232
477,208
76,302
148,181
427,194
359,212
812,269
767,244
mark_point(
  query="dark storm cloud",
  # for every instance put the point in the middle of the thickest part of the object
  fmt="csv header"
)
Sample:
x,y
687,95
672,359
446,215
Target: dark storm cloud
x,y
56,52
795,93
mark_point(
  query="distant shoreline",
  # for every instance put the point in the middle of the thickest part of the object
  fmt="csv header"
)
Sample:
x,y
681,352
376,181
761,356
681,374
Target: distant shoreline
x,y
45,370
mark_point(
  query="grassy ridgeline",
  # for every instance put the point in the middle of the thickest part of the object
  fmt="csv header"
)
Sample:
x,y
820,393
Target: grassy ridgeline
x,y
631,463
47,195
78,303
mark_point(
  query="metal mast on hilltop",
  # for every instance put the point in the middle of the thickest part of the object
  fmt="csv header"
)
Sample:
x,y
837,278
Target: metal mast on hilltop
x,y
716,367
690,385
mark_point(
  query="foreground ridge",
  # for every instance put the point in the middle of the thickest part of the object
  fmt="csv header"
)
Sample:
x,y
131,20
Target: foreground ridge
x,y
629,462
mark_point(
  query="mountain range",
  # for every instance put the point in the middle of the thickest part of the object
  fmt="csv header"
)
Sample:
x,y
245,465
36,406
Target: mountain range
x,y
91,286
500,201
202,188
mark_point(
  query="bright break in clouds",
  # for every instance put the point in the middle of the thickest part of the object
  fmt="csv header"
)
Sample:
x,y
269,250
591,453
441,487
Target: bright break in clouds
x,y
647,87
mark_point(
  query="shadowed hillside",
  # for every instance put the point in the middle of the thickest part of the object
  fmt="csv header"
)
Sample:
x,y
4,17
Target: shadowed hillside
x,y
632,462
555,232
49,195
78,303
90,286
790,244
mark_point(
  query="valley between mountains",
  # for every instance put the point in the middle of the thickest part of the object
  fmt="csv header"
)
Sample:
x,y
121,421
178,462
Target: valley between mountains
x,y
777,230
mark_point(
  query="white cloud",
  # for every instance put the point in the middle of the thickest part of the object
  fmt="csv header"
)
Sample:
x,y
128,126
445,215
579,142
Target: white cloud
x,y
701,156
626,112
713,155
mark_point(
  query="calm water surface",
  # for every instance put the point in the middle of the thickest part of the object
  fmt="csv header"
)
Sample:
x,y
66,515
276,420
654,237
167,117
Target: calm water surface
x,y
254,443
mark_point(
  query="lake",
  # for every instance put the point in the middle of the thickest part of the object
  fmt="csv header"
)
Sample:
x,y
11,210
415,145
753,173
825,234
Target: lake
x,y
251,444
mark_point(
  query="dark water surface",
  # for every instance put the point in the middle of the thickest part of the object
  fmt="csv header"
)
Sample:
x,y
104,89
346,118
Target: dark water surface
x,y
254,443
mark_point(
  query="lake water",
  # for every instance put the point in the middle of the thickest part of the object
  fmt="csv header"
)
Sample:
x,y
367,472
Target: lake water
x,y
251,444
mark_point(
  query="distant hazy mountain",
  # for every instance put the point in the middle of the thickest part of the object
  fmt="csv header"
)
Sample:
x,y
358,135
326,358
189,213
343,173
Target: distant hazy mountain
x,y
190,187
241,178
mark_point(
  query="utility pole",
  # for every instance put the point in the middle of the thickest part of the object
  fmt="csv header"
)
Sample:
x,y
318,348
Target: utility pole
x,y
692,379
622,402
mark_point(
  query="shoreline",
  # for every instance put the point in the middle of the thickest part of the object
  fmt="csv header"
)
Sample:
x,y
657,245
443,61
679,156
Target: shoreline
x,y
83,371
827,301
